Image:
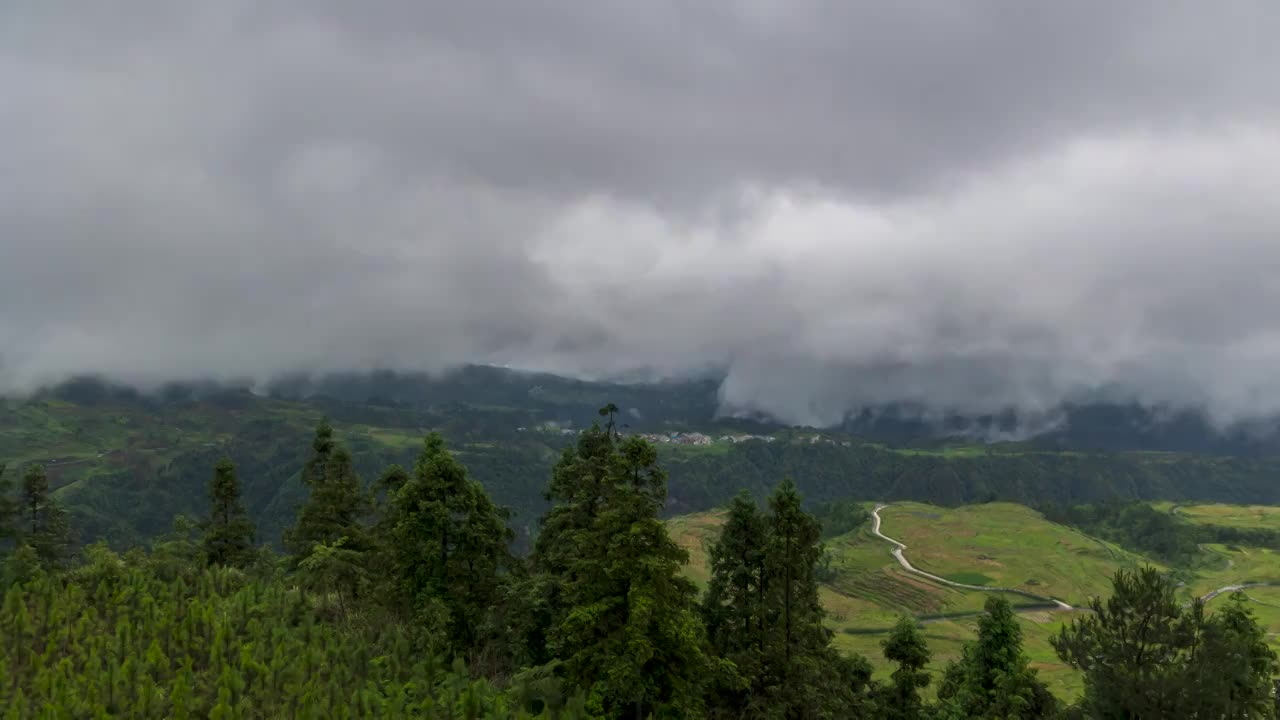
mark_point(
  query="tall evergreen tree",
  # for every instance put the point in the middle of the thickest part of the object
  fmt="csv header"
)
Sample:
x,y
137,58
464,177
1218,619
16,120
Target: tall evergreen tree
x,y
907,649
626,630
447,544
1144,654
734,607
576,492
798,652
762,613
44,523
333,511
8,508
793,554
1233,669
1130,648
322,447
228,531
993,678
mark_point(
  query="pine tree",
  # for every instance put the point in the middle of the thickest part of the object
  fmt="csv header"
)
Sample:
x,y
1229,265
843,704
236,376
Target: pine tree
x,y
1133,648
576,492
798,653
322,447
1232,668
993,678
332,567
627,632
734,608
905,647
228,538
334,509
8,509
447,543
793,553
1145,654
44,522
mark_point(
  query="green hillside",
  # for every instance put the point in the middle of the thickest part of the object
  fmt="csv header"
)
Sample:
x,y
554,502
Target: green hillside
x,y
999,544
125,463
1008,546
1249,517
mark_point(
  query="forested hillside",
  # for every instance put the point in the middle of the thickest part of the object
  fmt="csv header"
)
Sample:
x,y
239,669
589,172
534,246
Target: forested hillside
x,y
124,463
399,596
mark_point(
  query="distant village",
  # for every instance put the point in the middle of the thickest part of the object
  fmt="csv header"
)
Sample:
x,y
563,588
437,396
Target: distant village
x,y
692,438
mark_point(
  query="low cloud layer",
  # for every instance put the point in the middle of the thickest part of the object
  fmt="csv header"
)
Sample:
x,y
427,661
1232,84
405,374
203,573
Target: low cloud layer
x,y
969,208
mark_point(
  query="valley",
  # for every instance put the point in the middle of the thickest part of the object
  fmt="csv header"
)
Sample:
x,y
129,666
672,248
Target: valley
x,y
964,554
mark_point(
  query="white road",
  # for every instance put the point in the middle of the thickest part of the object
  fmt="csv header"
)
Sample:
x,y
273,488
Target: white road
x,y
906,565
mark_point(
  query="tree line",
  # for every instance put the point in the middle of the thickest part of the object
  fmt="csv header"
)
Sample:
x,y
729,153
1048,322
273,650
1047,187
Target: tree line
x,y
1159,534
402,598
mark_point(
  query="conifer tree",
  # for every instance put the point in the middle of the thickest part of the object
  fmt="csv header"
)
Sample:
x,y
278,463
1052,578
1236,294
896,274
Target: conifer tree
x,y
44,523
628,633
1132,648
576,492
8,508
993,678
793,552
322,446
734,608
1145,654
447,543
906,648
228,538
1233,669
333,510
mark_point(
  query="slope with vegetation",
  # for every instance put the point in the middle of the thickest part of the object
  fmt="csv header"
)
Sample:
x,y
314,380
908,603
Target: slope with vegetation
x,y
124,463
401,598
864,590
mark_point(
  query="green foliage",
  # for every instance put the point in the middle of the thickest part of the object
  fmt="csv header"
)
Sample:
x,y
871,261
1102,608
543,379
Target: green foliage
x,y
993,678
228,531
322,446
1158,533
623,626
8,508
734,608
117,640
600,622
446,546
840,517
335,507
1145,655
127,463
907,649
44,524
334,569
762,613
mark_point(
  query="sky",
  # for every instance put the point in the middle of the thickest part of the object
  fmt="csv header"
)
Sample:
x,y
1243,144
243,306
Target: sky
x,y
970,205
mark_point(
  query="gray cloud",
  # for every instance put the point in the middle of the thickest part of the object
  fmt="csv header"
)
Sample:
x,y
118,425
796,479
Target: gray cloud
x,y
971,207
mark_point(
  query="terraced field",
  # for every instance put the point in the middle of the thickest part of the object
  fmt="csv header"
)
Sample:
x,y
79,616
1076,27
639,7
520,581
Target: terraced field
x,y
1008,546
1263,517
870,590
1239,566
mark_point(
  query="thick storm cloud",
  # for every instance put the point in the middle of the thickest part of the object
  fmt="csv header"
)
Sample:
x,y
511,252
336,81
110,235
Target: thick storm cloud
x,y
969,206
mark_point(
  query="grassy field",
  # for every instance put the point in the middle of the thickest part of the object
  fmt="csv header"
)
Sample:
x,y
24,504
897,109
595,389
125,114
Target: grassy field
x,y
1240,565
870,591
947,638
1008,546
1262,517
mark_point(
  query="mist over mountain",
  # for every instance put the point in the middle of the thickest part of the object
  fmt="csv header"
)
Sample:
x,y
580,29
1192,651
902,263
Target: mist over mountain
x,y
682,405
1012,212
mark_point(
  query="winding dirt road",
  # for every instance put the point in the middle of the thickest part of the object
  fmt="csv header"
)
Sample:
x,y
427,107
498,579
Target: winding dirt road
x,y
906,565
